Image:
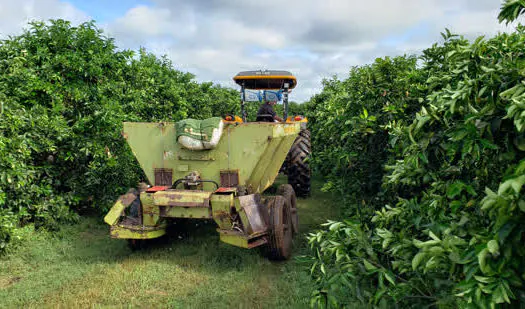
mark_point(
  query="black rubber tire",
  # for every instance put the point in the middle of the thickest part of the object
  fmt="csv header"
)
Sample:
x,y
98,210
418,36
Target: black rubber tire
x,y
280,229
287,191
298,169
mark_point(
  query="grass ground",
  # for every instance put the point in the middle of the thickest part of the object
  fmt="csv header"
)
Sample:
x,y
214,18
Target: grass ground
x,y
80,266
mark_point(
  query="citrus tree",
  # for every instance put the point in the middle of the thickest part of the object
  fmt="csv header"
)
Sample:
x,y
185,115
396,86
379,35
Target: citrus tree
x,y
64,92
432,165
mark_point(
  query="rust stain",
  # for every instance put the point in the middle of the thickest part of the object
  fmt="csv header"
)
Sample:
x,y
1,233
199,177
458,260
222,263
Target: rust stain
x,y
221,214
127,199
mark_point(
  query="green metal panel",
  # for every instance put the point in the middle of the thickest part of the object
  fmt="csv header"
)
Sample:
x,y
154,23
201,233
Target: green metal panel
x,y
182,198
151,213
118,208
238,239
266,170
183,204
136,232
186,212
235,240
242,214
257,150
114,213
221,205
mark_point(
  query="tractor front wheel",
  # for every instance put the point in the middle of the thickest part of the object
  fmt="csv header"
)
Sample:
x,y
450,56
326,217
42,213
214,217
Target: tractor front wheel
x,y
297,167
280,228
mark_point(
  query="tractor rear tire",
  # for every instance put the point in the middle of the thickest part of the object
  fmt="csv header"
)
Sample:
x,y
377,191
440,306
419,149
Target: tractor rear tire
x,y
298,169
287,191
280,228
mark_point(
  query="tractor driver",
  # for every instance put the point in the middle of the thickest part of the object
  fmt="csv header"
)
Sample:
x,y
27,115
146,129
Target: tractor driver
x,y
266,112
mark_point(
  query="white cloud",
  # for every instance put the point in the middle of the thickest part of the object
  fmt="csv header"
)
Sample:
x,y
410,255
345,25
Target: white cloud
x,y
215,39
145,21
14,15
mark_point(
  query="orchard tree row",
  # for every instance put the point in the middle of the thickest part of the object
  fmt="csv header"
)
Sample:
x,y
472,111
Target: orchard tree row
x,y
429,155
64,93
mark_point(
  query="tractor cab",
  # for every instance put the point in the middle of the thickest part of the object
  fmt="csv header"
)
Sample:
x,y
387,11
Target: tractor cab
x,y
265,86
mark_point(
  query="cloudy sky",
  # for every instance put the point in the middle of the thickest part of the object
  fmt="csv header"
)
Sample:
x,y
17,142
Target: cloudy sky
x,y
214,39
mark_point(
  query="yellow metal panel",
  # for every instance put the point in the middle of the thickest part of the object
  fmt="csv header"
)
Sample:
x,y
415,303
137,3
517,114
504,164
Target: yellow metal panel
x,y
150,211
240,240
186,212
234,240
114,213
221,204
126,232
265,77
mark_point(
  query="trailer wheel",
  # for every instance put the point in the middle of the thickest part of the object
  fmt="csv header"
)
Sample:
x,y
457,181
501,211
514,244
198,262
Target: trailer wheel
x,y
297,166
136,244
287,191
280,228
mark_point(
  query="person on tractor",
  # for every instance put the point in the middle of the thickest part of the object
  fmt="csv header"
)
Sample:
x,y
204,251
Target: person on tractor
x,y
266,112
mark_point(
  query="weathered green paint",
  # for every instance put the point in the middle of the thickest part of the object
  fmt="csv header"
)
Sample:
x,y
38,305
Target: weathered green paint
x,y
118,208
182,198
257,150
186,212
221,205
266,170
242,215
137,232
235,240
150,212
114,213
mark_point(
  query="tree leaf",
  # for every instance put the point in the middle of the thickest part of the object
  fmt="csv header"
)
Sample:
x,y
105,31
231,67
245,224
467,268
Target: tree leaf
x,y
369,266
455,189
418,258
521,204
493,247
433,236
482,261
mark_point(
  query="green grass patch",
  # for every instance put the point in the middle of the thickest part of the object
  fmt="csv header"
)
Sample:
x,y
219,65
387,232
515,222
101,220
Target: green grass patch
x,y
81,266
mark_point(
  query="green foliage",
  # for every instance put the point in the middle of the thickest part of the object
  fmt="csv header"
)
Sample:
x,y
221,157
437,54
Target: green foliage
x,y
511,10
430,158
352,119
64,93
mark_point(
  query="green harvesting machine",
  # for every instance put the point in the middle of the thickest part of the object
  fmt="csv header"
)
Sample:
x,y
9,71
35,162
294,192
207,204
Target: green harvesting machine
x,y
217,169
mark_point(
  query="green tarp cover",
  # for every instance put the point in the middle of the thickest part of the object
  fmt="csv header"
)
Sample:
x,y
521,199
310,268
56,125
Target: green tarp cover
x,y
198,129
